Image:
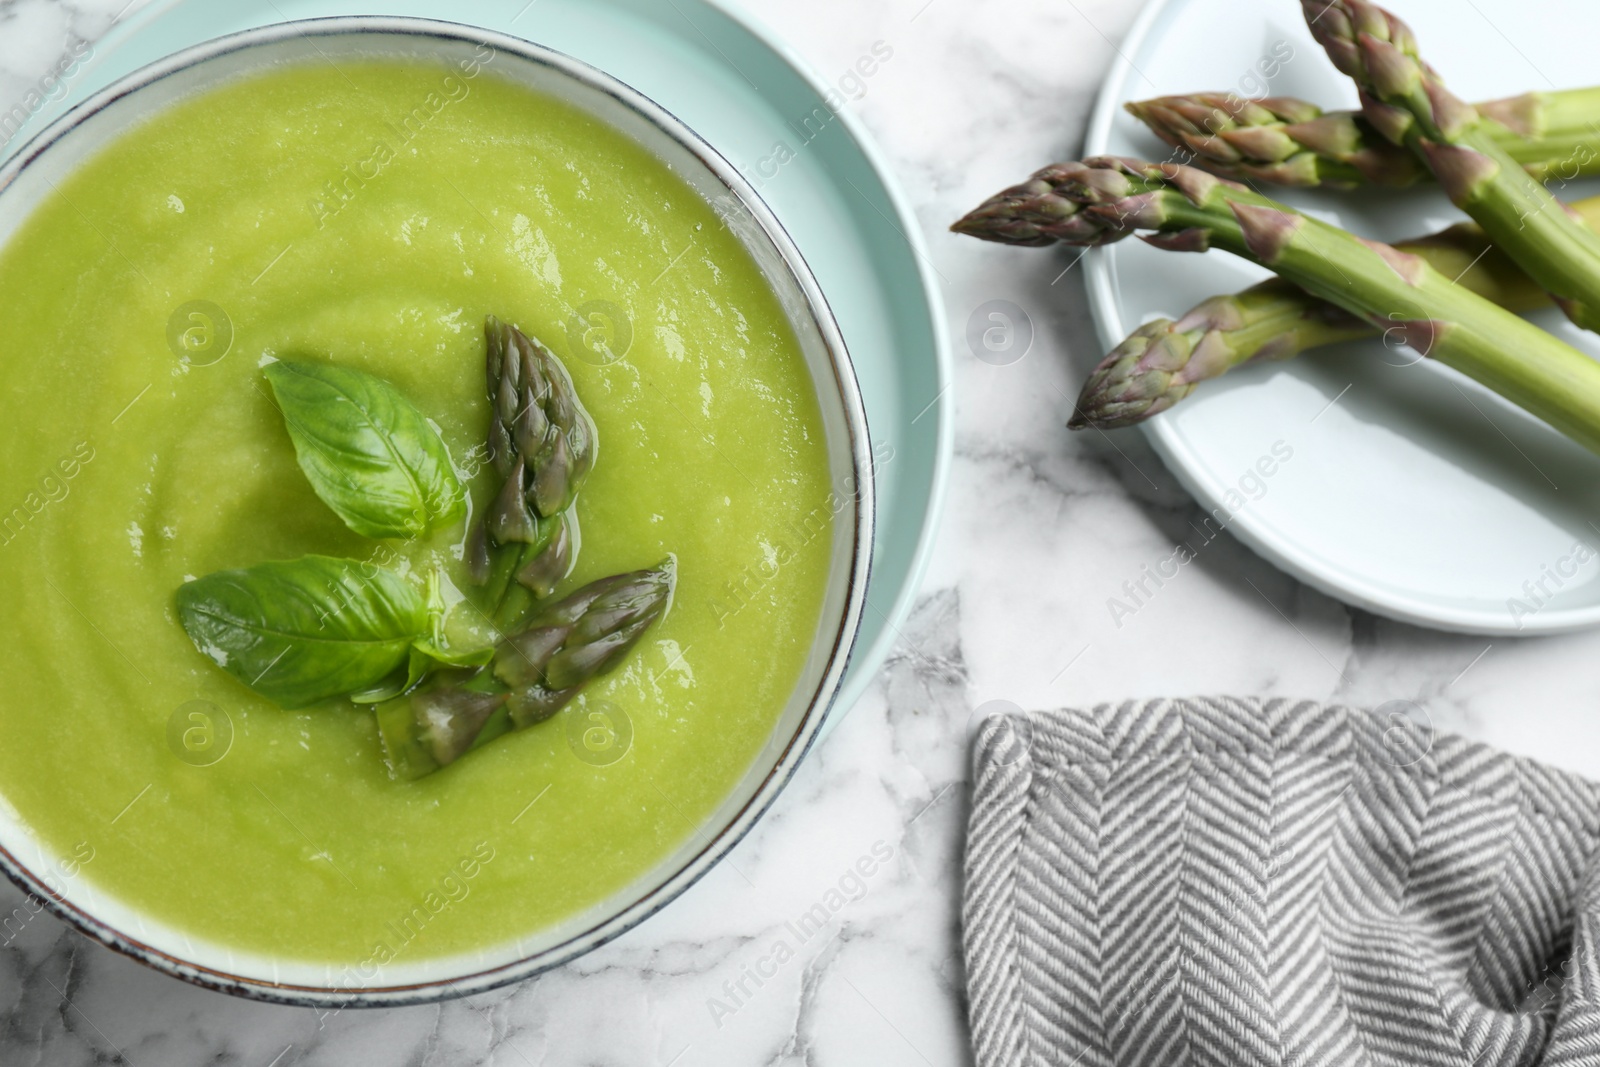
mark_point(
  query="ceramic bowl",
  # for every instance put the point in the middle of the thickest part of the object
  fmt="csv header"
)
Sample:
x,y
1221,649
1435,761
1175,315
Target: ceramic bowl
x,y
34,172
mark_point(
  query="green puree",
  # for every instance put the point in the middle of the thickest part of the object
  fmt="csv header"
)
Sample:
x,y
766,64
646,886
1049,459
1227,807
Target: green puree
x,y
127,471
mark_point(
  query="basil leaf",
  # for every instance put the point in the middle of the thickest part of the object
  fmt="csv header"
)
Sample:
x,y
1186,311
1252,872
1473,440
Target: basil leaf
x,y
305,631
370,454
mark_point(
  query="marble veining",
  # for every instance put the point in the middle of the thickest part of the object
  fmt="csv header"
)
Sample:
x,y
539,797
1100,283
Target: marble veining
x,y
1043,528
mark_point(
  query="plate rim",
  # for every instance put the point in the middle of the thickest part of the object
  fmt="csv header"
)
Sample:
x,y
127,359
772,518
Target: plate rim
x,y
1175,454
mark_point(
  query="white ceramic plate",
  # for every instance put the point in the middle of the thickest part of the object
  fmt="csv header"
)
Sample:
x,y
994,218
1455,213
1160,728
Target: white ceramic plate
x,y
1409,490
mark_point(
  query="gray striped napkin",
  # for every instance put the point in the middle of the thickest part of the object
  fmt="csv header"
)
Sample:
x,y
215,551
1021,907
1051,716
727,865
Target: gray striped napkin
x,y
1259,884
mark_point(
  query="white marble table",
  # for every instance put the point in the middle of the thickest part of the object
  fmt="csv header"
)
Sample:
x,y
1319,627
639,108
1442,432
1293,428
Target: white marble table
x,y
1043,527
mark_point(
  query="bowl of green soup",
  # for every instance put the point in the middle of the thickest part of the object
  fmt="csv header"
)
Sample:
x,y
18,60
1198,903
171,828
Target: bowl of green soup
x,y
435,518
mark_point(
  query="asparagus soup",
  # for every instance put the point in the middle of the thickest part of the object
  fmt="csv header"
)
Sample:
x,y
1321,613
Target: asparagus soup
x,y
416,513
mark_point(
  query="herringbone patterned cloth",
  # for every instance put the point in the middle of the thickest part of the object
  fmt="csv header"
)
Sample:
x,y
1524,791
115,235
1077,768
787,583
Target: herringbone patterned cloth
x,y
1231,883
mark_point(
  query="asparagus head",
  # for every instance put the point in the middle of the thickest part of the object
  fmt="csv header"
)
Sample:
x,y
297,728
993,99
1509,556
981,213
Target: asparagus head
x,y
578,638
1279,140
1406,101
1036,213
542,443
1162,361
539,422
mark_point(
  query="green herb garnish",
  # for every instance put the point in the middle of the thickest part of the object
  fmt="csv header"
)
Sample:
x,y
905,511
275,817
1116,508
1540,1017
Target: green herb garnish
x,y
305,631
370,454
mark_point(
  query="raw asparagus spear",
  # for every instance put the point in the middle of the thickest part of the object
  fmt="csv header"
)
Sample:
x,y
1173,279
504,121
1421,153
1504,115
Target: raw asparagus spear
x,y
534,673
1044,210
542,443
1407,102
1394,291
1554,136
1162,361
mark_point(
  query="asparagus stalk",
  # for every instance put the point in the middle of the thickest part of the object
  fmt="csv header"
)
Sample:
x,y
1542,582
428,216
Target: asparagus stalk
x,y
1554,136
1407,102
542,442
534,673
1162,361
1391,290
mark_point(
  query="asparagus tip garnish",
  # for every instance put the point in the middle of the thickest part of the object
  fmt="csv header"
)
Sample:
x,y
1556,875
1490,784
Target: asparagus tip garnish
x,y
587,632
542,443
534,673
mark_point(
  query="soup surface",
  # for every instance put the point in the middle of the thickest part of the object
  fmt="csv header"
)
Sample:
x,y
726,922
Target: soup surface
x,y
372,213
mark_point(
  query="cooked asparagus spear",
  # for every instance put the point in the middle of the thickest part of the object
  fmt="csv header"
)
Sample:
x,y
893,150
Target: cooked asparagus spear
x,y
1406,101
1162,362
578,637
1554,136
543,443
534,674
538,419
1394,291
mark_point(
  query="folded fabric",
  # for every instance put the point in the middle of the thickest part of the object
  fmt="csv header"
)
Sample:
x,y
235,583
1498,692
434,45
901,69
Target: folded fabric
x,y
1275,884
